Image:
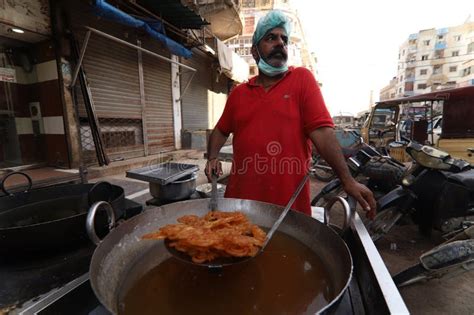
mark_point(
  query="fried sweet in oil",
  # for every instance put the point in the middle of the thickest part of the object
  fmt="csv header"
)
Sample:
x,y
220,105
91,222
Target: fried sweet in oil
x,y
217,234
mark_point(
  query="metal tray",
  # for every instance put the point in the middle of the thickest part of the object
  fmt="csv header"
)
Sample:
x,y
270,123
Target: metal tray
x,y
164,173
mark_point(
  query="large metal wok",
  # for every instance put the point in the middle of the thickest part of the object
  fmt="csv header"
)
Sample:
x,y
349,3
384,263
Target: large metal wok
x,y
53,217
122,257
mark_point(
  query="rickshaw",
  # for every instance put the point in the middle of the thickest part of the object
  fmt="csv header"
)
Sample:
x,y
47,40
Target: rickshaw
x,y
457,129
379,129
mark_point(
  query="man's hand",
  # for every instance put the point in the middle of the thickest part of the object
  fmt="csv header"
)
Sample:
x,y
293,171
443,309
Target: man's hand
x,y
213,166
363,195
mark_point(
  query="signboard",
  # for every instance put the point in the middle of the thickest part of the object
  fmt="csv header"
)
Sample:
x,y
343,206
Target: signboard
x,y
7,75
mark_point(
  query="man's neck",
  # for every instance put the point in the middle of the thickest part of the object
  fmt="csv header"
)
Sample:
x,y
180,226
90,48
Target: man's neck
x,y
266,81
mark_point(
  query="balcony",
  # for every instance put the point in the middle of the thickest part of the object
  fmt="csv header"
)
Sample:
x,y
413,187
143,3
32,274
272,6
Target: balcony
x,y
440,45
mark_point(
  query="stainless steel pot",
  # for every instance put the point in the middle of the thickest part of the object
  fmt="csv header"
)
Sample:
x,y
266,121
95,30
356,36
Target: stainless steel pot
x,y
179,189
122,257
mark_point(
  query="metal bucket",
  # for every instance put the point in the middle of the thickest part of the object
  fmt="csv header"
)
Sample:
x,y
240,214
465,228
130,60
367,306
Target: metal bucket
x,y
180,189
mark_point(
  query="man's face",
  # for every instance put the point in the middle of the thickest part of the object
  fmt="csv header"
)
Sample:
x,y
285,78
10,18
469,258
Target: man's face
x,y
273,47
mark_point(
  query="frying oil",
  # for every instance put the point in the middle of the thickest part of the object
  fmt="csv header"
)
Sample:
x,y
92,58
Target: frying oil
x,y
287,278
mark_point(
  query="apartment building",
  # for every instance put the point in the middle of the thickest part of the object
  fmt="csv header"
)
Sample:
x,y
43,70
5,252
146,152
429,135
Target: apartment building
x,y
389,91
251,11
434,59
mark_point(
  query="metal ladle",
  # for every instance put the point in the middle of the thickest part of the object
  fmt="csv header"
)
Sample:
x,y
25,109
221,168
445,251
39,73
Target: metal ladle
x,y
226,261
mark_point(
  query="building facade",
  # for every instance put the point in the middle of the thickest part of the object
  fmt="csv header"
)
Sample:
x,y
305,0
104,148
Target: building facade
x,y
251,11
93,83
434,59
388,91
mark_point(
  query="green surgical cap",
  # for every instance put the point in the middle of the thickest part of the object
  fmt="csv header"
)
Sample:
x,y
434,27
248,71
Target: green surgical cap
x,y
272,19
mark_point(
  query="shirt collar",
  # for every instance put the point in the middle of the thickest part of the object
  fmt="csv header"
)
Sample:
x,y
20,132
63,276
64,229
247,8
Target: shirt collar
x,y
253,81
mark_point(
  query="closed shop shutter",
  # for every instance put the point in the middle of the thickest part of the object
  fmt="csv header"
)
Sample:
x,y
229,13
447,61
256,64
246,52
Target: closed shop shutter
x,y
194,105
158,99
112,73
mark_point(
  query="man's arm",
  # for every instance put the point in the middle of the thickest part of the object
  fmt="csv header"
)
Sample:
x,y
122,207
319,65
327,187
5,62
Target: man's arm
x,y
326,142
214,145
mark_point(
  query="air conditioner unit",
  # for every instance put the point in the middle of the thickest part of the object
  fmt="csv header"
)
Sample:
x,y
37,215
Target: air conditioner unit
x,y
35,111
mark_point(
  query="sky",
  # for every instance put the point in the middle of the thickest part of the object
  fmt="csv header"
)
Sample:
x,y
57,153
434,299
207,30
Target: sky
x,y
357,42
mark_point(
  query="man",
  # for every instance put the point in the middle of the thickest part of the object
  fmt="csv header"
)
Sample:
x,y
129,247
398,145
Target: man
x,y
273,117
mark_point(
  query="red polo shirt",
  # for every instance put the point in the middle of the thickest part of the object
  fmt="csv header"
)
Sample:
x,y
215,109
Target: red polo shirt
x,y
272,150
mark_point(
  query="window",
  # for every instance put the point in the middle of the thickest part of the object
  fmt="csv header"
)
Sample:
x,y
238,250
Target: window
x,y
455,53
437,69
424,57
470,48
421,86
457,38
440,36
451,83
466,72
248,3
401,78
426,42
439,54
423,71
249,25
403,52
453,69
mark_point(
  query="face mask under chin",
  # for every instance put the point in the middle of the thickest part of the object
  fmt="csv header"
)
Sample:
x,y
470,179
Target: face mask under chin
x,y
270,70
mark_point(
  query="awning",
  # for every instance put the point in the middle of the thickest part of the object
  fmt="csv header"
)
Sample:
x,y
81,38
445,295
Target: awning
x,y
152,27
232,65
174,12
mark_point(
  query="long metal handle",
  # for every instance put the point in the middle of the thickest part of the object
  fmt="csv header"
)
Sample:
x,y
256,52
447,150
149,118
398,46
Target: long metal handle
x,y
287,208
213,202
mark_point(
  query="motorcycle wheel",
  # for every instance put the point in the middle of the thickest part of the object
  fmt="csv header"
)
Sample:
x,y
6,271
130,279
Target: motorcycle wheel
x,y
321,170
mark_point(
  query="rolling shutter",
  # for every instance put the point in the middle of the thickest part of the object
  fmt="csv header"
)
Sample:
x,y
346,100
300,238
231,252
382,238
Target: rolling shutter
x,y
158,99
194,105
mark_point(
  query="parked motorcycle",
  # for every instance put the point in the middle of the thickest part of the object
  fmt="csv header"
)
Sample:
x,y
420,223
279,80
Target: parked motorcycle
x,y
349,140
437,190
380,173
321,169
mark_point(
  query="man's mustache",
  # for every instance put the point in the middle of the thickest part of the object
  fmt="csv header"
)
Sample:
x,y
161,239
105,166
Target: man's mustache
x,y
277,51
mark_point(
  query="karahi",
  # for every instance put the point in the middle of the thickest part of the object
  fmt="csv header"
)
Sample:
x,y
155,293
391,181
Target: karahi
x,y
217,234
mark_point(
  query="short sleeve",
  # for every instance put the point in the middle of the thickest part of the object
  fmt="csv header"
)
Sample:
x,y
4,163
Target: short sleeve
x,y
313,108
225,123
